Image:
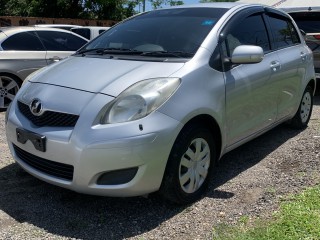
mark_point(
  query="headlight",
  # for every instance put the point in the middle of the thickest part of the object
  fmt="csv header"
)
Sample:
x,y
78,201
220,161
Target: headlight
x,y
140,99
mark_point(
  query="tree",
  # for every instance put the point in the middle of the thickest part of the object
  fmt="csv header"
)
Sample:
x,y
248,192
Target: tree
x,y
105,9
43,8
119,9
157,3
92,9
204,1
2,7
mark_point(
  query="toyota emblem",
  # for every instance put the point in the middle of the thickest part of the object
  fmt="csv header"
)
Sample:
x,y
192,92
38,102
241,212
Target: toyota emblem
x,y
36,107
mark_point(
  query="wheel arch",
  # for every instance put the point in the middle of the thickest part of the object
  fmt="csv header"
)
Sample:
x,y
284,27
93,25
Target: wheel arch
x,y
312,84
12,76
212,125
170,188
7,93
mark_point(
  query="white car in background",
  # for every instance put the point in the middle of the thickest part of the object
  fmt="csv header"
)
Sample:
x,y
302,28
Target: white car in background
x,y
24,50
61,26
89,32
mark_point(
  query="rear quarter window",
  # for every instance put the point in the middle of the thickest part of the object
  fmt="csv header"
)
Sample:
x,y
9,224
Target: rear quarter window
x,y
101,31
84,32
60,41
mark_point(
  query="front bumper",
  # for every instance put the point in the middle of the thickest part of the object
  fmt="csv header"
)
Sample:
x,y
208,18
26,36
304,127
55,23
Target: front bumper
x,y
94,150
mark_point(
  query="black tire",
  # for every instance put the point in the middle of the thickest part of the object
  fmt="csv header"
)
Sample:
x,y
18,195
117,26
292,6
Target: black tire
x,y
9,86
302,117
182,184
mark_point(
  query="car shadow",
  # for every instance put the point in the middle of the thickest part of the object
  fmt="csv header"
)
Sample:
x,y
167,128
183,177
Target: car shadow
x,y
72,215
246,156
316,100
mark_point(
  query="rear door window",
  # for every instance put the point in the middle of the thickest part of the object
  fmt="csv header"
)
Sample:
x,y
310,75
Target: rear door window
x,y
60,41
23,41
284,33
84,32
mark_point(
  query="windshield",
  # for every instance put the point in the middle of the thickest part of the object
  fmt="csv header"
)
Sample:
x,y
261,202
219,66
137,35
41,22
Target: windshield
x,y
169,32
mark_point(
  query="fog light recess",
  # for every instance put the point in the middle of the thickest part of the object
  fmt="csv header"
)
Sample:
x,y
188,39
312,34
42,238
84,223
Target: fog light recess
x,y
117,177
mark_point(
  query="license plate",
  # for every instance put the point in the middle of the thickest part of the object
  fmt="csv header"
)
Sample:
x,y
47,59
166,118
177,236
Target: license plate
x,y
38,141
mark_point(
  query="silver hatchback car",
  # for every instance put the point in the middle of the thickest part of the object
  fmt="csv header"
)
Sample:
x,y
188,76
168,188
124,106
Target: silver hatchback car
x,y
153,103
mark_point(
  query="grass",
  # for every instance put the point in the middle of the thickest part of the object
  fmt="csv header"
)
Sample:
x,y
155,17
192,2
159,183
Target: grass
x,y
298,218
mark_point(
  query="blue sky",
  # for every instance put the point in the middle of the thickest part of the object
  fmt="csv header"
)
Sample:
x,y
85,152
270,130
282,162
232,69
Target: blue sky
x,y
148,6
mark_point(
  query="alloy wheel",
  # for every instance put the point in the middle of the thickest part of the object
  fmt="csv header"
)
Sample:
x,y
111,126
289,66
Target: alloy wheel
x,y
8,89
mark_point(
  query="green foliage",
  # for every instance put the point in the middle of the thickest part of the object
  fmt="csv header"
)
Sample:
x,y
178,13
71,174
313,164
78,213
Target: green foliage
x,y
105,9
206,1
92,9
42,8
157,3
298,218
2,6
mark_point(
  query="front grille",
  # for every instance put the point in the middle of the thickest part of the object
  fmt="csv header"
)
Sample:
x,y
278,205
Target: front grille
x,y
59,170
49,118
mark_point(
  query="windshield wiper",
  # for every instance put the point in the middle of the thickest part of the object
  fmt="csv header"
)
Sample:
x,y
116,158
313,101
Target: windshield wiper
x,y
121,51
177,54
128,51
102,51
92,50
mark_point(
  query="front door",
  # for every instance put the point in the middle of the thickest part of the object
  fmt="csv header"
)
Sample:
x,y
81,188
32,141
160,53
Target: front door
x,y
251,99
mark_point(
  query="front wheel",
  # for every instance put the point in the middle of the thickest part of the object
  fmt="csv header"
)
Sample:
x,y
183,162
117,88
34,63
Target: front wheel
x,y
189,165
9,87
302,117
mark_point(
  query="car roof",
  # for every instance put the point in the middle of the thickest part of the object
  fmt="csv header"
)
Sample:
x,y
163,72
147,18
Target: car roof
x,y
56,25
226,5
14,29
91,27
8,31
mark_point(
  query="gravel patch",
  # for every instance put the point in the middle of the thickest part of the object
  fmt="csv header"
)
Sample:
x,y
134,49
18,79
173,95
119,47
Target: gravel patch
x,y
250,181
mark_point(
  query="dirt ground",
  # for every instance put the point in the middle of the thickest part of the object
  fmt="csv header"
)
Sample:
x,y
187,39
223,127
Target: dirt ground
x,y
250,181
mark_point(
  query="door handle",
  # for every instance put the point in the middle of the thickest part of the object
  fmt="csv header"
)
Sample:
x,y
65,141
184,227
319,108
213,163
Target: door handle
x,y
55,59
303,56
275,65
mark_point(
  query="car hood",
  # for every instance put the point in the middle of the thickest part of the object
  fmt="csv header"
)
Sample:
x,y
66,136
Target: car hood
x,y
99,75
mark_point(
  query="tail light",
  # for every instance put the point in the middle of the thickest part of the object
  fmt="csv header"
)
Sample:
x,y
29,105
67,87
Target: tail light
x,y
316,36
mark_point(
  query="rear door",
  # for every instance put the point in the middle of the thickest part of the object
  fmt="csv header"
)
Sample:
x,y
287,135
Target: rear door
x,y
309,22
293,63
59,44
